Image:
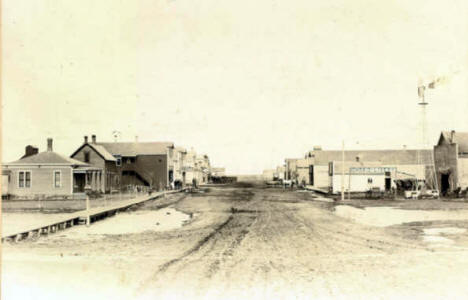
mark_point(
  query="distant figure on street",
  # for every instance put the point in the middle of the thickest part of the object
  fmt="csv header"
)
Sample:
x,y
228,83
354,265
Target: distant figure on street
x,y
172,185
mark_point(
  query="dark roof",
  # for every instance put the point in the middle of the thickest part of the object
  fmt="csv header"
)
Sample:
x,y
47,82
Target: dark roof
x,y
398,157
103,152
100,150
47,157
460,138
134,149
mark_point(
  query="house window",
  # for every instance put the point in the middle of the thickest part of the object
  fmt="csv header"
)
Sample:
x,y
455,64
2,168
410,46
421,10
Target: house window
x,y
57,179
24,179
118,161
86,157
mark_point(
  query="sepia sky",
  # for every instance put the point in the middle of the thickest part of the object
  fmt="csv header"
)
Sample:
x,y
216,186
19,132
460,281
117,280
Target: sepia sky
x,y
247,82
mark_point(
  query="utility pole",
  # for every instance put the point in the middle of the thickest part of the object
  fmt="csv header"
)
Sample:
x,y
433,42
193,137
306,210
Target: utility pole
x,y
349,184
342,171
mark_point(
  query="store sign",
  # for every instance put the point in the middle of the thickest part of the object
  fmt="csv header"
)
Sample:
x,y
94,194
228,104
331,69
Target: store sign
x,y
371,170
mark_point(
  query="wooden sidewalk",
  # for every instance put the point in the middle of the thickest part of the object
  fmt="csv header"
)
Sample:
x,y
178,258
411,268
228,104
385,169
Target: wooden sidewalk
x,y
79,218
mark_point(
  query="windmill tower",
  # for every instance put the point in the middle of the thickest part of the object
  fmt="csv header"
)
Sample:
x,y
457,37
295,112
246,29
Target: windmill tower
x,y
423,121
423,104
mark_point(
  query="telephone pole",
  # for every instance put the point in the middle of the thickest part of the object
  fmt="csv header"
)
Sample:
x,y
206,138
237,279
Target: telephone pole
x,y
342,170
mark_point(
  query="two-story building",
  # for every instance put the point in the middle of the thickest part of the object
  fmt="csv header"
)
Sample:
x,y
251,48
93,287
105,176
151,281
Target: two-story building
x,y
178,164
98,156
130,163
203,168
451,161
279,173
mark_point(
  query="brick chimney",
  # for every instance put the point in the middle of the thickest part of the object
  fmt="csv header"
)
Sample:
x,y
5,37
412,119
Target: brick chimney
x,y
49,145
85,139
93,139
452,136
30,150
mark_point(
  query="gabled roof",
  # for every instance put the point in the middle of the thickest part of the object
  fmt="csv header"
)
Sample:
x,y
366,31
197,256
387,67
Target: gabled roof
x,y
460,138
399,157
47,157
134,149
103,152
100,150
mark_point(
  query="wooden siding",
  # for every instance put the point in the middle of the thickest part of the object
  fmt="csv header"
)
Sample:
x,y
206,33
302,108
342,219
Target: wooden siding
x,y
42,182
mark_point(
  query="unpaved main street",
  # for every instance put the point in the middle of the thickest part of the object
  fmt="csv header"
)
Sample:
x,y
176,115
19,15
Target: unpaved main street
x,y
242,241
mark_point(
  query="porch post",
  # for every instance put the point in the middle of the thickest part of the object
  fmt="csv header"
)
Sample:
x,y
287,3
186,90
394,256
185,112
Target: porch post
x,y
93,180
72,182
102,181
98,181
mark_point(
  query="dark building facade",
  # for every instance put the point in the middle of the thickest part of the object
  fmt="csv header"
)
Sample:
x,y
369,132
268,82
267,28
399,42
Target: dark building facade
x,y
97,156
451,161
129,163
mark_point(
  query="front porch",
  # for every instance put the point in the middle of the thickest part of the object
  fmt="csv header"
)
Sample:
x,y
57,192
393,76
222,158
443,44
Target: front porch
x,y
87,177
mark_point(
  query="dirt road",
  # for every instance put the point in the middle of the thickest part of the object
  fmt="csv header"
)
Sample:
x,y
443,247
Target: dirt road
x,y
242,242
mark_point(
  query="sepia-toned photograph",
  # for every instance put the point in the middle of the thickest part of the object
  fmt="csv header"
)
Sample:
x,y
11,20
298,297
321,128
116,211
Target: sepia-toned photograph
x,y
176,149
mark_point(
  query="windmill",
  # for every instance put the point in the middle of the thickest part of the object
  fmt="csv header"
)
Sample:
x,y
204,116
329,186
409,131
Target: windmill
x,y
116,134
423,104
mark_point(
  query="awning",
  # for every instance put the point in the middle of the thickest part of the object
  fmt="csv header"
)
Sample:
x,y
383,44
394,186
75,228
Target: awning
x,y
404,176
84,170
444,170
